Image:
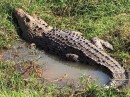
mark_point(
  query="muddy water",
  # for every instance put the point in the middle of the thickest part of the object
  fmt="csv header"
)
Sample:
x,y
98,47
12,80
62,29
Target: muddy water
x,y
55,70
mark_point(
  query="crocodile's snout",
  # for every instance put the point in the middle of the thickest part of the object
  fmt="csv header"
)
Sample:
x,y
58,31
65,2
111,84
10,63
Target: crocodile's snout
x,y
22,16
19,12
25,22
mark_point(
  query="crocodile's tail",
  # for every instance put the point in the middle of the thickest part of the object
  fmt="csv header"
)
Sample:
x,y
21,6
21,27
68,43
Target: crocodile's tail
x,y
118,80
100,57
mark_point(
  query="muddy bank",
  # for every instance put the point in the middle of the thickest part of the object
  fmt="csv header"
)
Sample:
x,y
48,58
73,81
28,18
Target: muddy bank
x,y
55,70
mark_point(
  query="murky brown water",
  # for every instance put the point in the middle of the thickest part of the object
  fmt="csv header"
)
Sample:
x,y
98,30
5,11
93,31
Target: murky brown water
x,y
53,67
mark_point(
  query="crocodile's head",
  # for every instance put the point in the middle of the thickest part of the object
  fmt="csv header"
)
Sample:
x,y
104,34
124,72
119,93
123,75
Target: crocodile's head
x,y
31,26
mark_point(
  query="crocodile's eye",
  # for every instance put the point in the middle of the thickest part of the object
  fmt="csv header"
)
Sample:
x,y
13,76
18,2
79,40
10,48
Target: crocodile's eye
x,y
27,19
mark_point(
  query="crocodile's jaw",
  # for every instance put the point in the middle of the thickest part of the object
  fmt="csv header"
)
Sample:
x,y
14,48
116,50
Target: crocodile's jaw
x,y
25,21
30,25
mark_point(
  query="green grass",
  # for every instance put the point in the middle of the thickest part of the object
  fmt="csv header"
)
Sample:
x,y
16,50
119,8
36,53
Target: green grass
x,y
107,19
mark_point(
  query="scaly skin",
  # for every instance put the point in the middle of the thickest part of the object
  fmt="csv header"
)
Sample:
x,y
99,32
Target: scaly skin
x,y
64,43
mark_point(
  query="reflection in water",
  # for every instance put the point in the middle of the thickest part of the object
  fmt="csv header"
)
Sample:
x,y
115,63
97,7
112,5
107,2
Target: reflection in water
x,y
53,67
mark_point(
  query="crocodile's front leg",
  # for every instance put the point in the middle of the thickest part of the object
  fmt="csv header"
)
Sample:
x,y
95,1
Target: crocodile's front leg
x,y
100,43
72,57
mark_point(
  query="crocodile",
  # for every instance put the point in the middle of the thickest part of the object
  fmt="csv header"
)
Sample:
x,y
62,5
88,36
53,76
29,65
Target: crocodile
x,y
68,45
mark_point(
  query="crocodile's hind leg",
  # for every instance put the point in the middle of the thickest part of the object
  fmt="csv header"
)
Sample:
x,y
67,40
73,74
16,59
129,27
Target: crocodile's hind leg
x,y
72,57
100,43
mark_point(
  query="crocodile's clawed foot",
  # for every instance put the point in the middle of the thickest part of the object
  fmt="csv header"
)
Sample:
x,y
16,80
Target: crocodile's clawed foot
x,y
100,43
72,57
